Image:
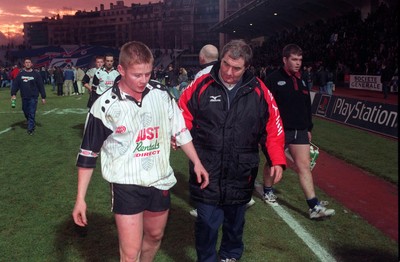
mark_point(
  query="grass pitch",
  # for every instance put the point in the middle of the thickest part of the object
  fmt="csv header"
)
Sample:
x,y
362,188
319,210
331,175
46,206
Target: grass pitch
x,y
38,187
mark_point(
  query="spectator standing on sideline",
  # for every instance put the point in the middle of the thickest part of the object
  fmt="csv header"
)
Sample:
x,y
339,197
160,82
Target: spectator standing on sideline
x,y
68,81
88,78
386,78
104,78
132,124
75,84
171,78
322,79
13,74
59,80
160,74
30,84
183,78
4,77
183,81
329,81
308,77
43,74
293,99
263,73
50,73
208,57
171,81
227,111
80,74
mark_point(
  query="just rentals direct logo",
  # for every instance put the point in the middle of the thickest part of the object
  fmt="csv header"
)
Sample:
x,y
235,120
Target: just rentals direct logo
x,y
215,98
147,142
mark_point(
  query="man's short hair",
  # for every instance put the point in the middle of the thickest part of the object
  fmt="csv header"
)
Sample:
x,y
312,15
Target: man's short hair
x,y
135,52
238,48
291,49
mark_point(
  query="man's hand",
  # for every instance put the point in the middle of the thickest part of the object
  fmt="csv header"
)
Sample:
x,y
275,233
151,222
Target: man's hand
x,y
276,172
202,175
173,143
79,213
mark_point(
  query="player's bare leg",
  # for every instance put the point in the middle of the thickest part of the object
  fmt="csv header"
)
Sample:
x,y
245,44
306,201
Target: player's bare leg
x,y
268,196
153,231
140,235
301,157
130,235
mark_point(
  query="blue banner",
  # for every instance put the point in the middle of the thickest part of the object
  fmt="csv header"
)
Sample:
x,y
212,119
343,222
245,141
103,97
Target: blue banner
x,y
375,117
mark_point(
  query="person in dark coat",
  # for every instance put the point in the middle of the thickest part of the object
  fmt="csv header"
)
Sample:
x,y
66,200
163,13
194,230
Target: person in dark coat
x,y
59,80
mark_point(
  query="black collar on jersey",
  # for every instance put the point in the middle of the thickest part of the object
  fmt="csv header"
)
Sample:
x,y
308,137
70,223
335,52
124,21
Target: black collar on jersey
x,y
105,70
117,92
139,103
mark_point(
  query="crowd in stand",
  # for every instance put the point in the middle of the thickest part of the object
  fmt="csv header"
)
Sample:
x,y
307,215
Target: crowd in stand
x,y
347,44
340,46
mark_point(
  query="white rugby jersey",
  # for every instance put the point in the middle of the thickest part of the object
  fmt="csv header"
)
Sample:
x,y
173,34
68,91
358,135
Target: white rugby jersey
x,y
133,138
104,80
88,78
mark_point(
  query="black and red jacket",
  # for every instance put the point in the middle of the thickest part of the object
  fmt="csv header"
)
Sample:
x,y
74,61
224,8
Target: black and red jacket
x,y
226,135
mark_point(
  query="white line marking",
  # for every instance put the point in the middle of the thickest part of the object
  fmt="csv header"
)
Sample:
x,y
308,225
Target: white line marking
x,y
315,247
5,130
51,111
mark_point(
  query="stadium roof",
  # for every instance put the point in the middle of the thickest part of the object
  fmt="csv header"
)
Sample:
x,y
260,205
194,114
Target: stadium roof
x,y
265,17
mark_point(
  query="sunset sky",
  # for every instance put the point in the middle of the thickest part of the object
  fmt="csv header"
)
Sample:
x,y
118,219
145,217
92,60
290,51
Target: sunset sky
x,y
14,13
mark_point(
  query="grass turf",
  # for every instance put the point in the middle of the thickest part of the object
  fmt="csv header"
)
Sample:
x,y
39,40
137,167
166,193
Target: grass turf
x,y
38,178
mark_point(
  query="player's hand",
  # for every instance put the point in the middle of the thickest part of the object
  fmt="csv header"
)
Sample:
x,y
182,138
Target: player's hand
x,y
79,213
173,143
276,172
202,175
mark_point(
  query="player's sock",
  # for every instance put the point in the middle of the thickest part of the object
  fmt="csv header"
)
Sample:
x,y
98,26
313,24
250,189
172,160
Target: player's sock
x,y
268,189
312,202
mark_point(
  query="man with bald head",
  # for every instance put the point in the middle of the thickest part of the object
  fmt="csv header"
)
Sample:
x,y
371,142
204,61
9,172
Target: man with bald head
x,y
208,56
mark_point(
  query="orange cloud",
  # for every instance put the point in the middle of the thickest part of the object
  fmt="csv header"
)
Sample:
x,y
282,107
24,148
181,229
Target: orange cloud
x,y
64,11
33,13
11,29
34,9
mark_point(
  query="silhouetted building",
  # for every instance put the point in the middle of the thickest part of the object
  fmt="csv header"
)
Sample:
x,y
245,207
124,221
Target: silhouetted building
x,y
170,24
36,33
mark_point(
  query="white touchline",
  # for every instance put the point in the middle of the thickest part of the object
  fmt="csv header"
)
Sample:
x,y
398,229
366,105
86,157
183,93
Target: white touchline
x,y
316,248
5,130
51,111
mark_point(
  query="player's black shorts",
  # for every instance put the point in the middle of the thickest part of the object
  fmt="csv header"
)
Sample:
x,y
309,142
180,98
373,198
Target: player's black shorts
x,y
292,137
296,137
133,199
